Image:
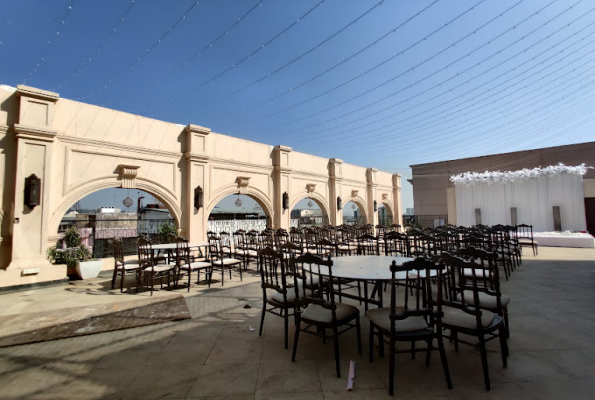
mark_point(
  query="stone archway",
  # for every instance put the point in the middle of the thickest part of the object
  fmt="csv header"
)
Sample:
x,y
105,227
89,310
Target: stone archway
x,y
257,195
360,203
317,198
106,183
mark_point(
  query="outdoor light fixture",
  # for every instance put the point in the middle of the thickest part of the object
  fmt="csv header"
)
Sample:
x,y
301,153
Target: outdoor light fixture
x,y
375,206
285,201
339,203
32,191
198,198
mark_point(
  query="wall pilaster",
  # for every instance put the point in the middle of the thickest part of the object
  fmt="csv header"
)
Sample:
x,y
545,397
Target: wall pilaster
x,y
281,178
35,138
398,212
193,224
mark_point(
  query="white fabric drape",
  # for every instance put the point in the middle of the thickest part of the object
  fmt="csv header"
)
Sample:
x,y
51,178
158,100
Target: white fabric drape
x,y
533,199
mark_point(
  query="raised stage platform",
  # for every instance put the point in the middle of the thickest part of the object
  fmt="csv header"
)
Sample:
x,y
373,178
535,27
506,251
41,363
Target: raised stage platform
x,y
564,239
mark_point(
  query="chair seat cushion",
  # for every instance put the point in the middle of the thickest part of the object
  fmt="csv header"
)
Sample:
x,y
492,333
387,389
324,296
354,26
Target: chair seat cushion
x,y
159,268
317,313
344,247
227,261
278,297
381,318
486,300
478,272
244,252
128,266
195,265
457,317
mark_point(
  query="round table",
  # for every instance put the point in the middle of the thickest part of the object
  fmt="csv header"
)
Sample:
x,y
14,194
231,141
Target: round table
x,y
367,269
172,246
169,247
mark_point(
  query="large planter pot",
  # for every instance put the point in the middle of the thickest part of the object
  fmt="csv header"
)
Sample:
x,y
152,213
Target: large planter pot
x,y
89,269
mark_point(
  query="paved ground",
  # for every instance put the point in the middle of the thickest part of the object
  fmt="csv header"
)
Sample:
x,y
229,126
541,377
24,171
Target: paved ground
x,y
215,355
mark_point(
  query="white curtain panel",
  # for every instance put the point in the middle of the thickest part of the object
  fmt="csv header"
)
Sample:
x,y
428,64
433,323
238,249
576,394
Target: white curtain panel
x,y
533,198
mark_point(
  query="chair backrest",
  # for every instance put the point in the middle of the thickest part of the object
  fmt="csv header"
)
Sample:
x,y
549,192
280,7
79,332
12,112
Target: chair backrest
x,y
466,280
524,231
296,236
215,249
182,251
265,239
311,268
380,231
367,245
486,270
396,244
251,241
421,298
272,272
239,239
118,251
290,251
326,248
225,240
395,228
281,237
145,253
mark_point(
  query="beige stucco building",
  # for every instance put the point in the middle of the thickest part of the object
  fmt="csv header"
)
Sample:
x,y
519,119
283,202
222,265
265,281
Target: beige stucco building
x,y
434,193
77,149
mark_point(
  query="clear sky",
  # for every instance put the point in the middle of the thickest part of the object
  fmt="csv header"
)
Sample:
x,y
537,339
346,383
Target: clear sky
x,y
383,84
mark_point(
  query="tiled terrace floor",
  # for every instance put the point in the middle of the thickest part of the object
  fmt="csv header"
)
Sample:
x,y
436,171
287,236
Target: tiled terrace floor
x,y
215,355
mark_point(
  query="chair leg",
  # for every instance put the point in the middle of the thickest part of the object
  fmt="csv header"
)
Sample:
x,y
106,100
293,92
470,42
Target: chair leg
x,y
429,352
152,284
114,278
503,347
444,361
371,343
391,366
506,323
138,280
359,335
413,349
264,310
286,323
295,339
337,354
189,278
484,361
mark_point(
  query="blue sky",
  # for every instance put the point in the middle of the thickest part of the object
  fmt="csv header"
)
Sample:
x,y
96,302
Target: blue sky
x,y
378,84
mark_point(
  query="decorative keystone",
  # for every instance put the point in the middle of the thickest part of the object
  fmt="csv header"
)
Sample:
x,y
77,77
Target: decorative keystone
x,y
128,176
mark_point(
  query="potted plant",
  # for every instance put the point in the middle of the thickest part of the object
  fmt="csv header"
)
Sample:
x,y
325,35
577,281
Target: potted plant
x,y
167,233
77,257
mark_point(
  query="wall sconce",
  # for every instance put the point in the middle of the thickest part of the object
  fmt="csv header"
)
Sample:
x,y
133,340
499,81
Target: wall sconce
x,y
32,191
339,203
198,198
375,206
285,201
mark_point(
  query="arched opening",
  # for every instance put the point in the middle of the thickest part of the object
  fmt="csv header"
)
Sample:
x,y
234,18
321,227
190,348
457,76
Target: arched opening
x,y
308,212
353,214
108,213
385,216
235,212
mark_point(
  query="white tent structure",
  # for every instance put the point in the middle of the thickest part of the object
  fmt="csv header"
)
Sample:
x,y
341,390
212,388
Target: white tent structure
x,y
533,192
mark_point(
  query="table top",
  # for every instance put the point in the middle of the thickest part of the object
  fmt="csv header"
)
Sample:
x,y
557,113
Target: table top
x,y
373,268
172,246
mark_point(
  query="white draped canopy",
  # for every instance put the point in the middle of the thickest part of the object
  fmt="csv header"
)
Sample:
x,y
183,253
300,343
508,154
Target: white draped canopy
x,y
533,193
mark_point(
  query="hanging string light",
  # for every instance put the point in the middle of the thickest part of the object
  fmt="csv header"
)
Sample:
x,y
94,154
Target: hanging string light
x,y
353,206
310,204
238,202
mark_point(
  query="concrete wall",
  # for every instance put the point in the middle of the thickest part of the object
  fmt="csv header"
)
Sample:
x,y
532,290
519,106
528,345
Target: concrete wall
x,y
77,149
432,181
